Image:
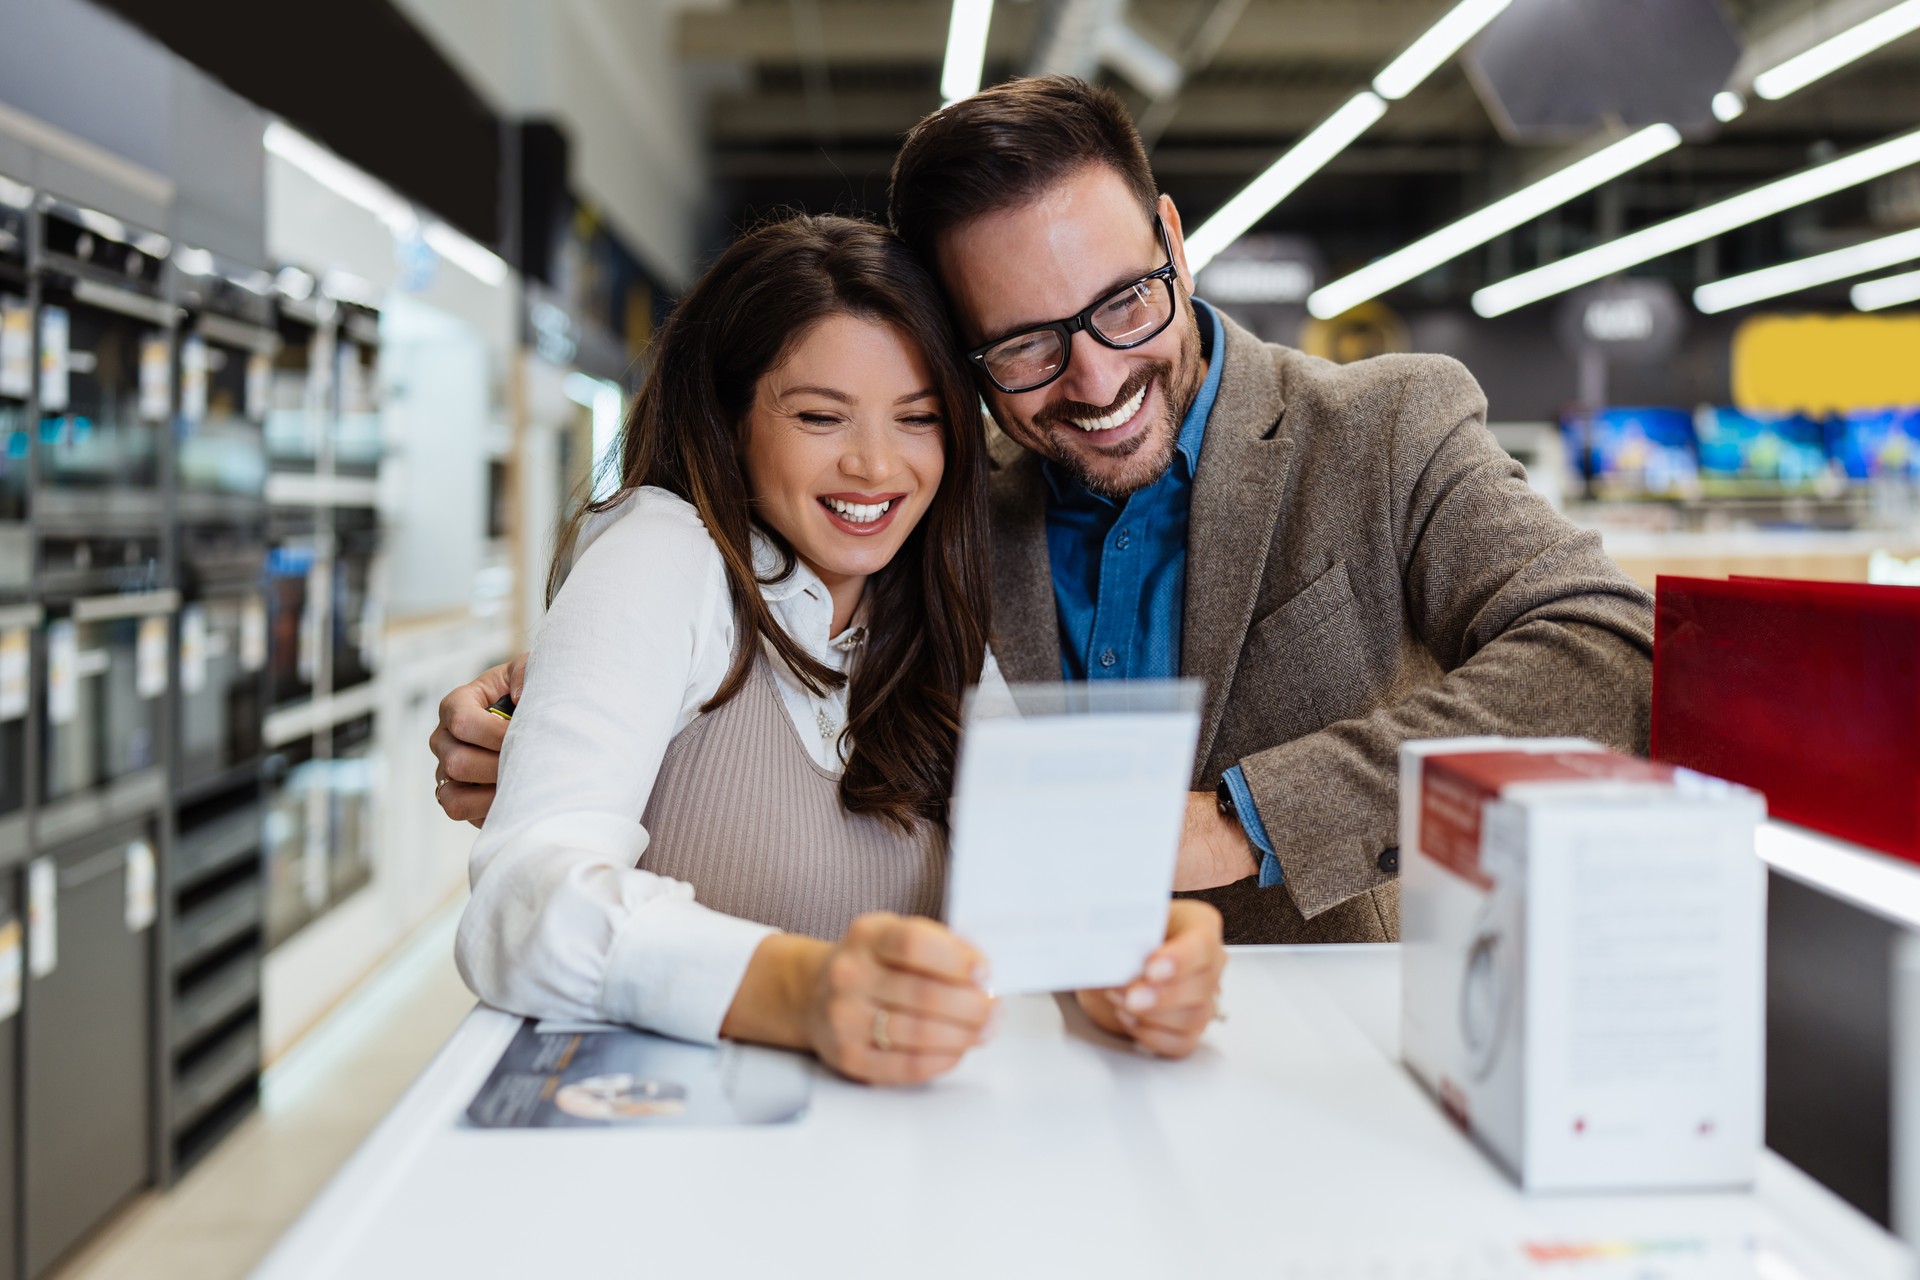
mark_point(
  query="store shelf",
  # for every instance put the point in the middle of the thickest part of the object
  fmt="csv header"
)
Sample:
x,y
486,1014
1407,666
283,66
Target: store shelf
x,y
303,719
132,796
304,489
215,847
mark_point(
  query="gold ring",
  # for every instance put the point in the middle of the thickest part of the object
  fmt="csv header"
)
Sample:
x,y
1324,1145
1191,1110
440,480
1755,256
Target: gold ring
x,y
880,1040
439,783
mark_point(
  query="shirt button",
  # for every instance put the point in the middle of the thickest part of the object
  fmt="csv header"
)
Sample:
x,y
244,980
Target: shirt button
x,y
1390,860
1124,541
1108,658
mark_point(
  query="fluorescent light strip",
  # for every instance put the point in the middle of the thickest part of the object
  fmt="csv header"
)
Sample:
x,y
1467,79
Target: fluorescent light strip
x,y
1889,291
1702,224
339,177
966,49
1830,55
1728,105
1306,158
1822,268
1502,215
469,255
1440,41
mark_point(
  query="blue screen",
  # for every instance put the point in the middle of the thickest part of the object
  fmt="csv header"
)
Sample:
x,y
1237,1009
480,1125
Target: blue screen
x,y
1787,450
1644,450
1877,444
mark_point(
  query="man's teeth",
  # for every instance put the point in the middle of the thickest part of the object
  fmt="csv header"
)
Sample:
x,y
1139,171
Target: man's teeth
x,y
859,512
1114,419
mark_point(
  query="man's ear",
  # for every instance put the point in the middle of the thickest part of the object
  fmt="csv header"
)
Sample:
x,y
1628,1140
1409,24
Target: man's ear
x,y
1176,237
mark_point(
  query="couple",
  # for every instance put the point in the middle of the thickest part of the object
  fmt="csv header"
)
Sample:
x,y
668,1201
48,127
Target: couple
x,y
749,683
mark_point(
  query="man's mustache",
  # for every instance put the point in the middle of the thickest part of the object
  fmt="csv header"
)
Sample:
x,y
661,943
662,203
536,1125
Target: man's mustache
x,y
1060,411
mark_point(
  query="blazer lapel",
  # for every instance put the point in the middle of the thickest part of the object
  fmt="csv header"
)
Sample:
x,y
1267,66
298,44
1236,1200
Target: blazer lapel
x,y
1237,492
1026,629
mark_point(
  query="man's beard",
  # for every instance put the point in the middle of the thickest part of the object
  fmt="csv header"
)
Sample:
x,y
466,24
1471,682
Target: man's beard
x,y
1055,421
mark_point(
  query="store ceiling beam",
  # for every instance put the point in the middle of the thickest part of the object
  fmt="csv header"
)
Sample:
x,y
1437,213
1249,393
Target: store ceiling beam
x,y
895,31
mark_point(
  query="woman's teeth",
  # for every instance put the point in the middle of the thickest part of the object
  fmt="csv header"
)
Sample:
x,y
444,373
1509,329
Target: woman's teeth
x,y
1118,416
858,512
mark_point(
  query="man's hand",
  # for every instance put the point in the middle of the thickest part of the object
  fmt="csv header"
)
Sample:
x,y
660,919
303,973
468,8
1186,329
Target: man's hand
x,y
1214,849
467,743
1167,1008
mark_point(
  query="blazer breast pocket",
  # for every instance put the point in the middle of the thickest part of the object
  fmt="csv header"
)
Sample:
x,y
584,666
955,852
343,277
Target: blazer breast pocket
x,y
1304,664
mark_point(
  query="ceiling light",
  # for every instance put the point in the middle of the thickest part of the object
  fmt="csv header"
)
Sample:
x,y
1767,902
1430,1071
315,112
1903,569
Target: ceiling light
x,y
1702,224
1830,55
1822,268
339,177
1889,291
1441,41
1502,215
469,255
1728,105
966,49
1306,158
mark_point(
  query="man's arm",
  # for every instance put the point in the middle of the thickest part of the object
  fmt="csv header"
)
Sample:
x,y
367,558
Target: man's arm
x,y
1539,632
466,745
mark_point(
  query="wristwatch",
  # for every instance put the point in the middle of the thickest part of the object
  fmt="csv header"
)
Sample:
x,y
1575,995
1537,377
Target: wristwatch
x,y
1223,795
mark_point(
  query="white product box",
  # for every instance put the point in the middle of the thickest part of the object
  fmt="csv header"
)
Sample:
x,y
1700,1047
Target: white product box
x,y
1584,960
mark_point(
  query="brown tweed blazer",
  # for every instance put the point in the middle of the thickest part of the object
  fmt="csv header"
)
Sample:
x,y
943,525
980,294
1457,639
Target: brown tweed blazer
x,y
1364,566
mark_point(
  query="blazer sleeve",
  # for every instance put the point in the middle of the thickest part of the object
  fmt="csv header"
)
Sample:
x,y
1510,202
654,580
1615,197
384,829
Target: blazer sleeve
x,y
1538,631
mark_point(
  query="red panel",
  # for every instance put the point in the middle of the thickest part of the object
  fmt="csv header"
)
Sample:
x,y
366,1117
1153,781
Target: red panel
x,y
1807,691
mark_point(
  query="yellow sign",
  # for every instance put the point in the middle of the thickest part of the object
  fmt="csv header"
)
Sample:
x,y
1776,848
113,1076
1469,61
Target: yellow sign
x,y
1819,364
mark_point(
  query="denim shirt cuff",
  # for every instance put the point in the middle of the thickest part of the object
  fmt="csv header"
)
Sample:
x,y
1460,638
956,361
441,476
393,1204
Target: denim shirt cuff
x,y
1270,872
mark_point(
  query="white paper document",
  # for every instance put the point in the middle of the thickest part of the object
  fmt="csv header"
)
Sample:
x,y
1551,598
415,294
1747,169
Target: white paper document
x,y
1066,825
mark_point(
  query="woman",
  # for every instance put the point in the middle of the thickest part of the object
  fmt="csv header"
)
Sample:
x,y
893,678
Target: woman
x,y
802,501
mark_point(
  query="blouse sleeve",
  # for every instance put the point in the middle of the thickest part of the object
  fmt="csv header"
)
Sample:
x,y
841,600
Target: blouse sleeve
x,y
561,922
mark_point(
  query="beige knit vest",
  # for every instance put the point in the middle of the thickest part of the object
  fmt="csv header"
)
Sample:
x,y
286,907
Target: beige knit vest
x,y
743,814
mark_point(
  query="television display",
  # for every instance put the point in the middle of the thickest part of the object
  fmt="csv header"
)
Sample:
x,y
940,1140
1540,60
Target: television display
x,y
1751,452
1635,452
1877,444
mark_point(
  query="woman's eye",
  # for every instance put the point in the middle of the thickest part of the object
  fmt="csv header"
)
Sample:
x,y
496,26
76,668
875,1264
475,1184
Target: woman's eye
x,y
922,421
818,419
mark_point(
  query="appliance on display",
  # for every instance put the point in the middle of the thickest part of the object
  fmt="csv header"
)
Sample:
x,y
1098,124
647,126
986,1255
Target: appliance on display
x,y
354,611
300,384
16,388
222,658
1881,444
296,590
18,625
357,444
1807,691
106,359
1635,452
1583,961
1745,453
294,840
227,344
352,773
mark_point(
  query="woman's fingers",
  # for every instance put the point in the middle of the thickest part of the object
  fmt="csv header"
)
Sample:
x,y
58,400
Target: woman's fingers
x,y
919,945
966,1007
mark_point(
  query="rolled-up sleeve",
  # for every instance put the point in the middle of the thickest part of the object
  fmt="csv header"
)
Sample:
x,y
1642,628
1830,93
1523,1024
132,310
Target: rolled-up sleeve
x,y
562,922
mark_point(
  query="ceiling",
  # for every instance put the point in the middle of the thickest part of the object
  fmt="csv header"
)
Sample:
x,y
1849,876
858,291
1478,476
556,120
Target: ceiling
x,y
807,99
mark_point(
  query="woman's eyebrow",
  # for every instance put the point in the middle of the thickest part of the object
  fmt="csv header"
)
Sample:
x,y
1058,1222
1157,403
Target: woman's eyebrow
x,y
830,393
925,393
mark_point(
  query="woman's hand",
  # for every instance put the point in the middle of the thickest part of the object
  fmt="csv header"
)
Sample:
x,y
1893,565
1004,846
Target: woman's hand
x,y
1167,1008
898,1000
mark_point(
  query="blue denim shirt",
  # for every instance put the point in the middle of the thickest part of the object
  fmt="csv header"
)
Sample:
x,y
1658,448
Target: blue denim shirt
x,y
1120,572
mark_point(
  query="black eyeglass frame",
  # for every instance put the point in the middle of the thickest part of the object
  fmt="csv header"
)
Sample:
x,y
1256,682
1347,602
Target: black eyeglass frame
x,y
1082,320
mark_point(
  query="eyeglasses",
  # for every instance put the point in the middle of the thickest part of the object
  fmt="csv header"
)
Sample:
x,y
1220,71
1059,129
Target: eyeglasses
x,y
1136,313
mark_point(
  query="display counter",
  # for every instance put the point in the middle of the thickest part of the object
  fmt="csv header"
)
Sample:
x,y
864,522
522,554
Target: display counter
x,y
1832,556
1291,1144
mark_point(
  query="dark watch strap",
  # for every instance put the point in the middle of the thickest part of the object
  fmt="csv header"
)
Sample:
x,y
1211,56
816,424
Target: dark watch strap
x,y
1223,795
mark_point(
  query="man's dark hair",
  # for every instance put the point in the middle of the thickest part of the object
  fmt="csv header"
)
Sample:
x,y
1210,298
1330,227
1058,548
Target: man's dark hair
x,y
1003,147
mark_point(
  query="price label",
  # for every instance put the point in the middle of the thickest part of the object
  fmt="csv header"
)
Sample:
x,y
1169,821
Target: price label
x,y
150,653
55,328
154,392
11,967
143,899
259,386
253,634
193,649
16,348
63,671
193,379
16,690
43,917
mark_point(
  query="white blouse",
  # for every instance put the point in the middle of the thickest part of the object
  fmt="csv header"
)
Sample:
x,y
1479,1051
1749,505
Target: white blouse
x,y
562,923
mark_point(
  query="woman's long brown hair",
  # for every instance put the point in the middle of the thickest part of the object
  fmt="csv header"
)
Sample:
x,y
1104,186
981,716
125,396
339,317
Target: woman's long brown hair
x,y
927,610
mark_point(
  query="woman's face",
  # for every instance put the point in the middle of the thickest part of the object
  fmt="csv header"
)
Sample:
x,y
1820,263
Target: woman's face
x,y
845,448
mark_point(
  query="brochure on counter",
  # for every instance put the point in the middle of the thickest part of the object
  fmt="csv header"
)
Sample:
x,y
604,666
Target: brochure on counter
x,y
596,1076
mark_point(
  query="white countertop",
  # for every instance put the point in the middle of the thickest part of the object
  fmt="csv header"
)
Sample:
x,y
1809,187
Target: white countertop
x,y
1292,1144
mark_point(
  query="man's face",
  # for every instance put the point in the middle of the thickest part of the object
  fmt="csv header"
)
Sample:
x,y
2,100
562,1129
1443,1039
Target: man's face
x,y
1113,417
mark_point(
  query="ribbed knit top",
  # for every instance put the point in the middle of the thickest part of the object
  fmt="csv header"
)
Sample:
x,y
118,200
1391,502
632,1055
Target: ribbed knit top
x,y
742,813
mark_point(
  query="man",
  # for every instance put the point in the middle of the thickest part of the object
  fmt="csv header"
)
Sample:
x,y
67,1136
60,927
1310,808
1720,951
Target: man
x,y
1342,553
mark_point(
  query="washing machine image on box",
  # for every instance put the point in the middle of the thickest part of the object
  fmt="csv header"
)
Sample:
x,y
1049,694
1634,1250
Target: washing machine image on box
x,y
1487,989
